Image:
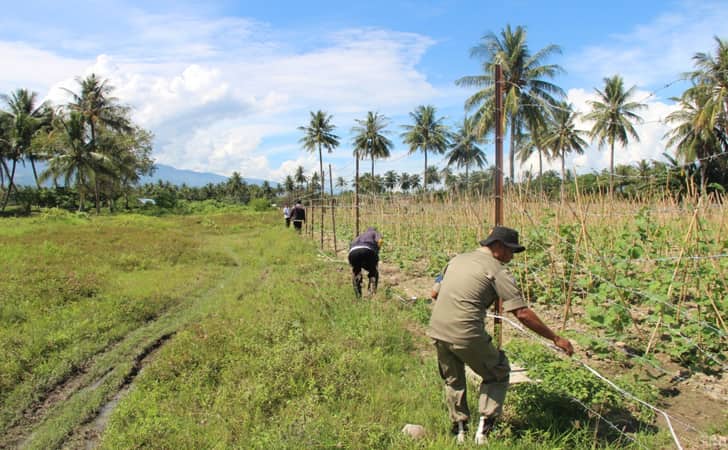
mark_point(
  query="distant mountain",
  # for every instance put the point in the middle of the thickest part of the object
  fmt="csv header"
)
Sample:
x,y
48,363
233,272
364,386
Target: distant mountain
x,y
192,178
24,176
182,176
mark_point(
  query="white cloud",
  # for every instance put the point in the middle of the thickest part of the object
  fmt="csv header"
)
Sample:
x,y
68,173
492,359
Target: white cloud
x,y
658,52
25,66
213,91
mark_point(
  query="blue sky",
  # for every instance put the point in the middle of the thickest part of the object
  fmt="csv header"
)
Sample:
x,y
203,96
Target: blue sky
x,y
224,85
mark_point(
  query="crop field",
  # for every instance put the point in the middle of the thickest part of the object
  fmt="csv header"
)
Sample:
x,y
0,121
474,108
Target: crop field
x,y
640,287
227,330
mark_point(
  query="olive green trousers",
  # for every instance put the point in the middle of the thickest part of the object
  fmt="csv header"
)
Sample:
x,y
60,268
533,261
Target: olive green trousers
x,y
485,360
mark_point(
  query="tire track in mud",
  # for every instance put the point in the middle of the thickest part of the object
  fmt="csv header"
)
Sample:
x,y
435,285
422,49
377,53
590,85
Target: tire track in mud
x,y
88,433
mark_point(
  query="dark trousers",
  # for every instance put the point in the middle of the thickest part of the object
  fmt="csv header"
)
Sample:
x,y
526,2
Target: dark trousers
x,y
364,258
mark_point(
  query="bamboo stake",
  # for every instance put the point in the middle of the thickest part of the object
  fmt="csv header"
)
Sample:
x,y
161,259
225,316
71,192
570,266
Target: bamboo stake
x,y
674,274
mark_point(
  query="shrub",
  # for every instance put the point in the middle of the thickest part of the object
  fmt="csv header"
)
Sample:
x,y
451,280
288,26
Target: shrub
x,y
260,204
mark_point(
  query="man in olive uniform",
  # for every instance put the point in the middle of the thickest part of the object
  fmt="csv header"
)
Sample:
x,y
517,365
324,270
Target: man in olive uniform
x,y
471,283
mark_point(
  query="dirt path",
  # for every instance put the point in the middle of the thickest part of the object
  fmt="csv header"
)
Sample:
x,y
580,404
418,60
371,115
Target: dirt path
x,y
89,434
113,371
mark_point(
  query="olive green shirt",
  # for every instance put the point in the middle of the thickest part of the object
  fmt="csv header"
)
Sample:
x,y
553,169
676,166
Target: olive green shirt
x,y
471,283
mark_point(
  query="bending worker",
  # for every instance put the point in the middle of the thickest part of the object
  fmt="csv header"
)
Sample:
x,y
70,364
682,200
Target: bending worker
x,y
471,283
364,253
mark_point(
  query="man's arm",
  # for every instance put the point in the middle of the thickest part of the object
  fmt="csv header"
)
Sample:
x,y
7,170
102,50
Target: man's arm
x,y
529,318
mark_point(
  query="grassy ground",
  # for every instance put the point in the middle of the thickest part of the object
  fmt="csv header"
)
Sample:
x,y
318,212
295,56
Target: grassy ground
x,y
245,338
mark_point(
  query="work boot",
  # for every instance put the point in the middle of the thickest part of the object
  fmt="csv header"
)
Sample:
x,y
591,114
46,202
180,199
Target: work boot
x,y
485,426
459,429
373,281
357,280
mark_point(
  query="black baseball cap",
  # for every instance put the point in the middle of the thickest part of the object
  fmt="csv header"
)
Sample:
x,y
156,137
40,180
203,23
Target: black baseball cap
x,y
508,236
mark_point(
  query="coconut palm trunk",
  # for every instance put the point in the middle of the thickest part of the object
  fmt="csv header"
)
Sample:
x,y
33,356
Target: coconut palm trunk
x,y
512,152
3,171
321,193
11,185
35,172
611,170
563,175
81,192
425,177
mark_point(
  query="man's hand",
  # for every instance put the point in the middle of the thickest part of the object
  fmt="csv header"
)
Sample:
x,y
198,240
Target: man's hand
x,y
564,345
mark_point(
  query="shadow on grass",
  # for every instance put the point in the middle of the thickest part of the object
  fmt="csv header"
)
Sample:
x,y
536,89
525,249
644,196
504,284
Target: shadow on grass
x,y
542,411
15,211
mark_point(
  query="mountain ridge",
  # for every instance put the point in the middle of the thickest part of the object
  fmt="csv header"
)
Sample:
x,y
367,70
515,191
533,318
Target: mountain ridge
x,y
163,172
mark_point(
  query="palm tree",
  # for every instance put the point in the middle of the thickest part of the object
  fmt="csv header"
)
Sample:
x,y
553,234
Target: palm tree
x,y
391,179
464,150
414,181
235,186
314,183
289,185
300,177
527,94
428,133
5,147
131,158
341,183
72,157
531,141
320,133
705,105
693,137
23,120
433,175
711,76
404,182
614,117
562,136
98,109
370,139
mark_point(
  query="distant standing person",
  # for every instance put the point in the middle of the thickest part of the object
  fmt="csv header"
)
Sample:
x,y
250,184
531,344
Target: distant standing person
x,y
287,215
364,253
471,283
298,215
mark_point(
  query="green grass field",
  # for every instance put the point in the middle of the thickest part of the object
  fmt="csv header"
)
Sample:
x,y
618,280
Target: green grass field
x,y
229,331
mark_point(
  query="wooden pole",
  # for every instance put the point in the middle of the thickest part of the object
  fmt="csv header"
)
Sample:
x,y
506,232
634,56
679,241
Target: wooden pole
x,y
333,211
497,326
356,194
313,216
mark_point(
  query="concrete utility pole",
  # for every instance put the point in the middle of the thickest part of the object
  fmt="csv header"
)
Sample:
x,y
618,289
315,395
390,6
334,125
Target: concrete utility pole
x,y
498,178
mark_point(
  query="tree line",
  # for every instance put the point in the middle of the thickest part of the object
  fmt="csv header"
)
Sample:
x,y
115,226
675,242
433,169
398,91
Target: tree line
x,y
89,145
540,121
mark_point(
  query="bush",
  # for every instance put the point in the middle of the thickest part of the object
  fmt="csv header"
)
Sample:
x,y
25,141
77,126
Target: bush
x,y
260,204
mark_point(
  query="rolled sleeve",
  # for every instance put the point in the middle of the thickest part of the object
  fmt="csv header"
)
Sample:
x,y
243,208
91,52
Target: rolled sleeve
x,y
508,291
